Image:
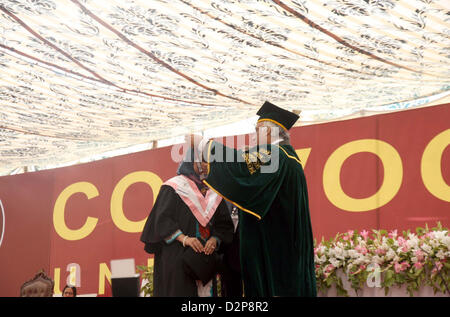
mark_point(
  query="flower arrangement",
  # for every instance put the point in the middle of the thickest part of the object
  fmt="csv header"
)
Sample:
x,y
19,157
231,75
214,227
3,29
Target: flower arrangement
x,y
414,259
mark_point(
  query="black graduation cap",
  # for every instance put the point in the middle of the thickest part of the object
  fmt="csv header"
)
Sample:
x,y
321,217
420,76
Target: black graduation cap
x,y
272,113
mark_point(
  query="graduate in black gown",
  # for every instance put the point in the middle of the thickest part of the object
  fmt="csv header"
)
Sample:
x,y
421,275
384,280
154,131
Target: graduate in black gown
x,y
186,214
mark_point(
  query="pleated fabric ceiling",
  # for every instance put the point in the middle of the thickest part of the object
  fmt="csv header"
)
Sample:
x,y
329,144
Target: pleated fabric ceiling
x,y
80,77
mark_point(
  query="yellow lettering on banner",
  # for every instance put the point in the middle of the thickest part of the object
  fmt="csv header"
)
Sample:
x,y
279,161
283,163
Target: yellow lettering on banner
x,y
117,214
57,278
73,275
104,272
303,155
431,166
393,174
58,212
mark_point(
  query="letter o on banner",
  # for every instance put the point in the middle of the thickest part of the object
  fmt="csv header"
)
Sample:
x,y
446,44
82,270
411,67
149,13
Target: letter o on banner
x,y
431,166
393,174
58,212
117,213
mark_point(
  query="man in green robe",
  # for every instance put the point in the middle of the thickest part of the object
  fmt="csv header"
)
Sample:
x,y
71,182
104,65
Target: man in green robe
x,y
268,184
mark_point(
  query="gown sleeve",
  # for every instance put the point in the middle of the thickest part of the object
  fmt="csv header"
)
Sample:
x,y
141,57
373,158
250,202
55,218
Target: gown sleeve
x,y
161,225
248,179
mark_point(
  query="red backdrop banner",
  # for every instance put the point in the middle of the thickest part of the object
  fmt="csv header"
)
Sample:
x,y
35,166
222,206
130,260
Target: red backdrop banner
x,y
388,171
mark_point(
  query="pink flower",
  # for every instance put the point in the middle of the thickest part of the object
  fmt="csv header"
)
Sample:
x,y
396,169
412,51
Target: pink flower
x,y
346,238
364,234
316,250
405,248
400,267
405,265
419,255
329,268
397,267
362,267
380,251
350,233
437,268
361,249
418,265
401,241
392,234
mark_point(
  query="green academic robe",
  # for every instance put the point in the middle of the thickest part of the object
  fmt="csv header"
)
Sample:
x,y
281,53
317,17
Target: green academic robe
x,y
276,242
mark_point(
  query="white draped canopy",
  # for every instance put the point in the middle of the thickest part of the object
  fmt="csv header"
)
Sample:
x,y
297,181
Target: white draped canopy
x,y
81,77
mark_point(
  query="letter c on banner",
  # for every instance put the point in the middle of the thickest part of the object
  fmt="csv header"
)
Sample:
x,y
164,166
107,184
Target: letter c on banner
x,y
431,166
58,212
393,174
117,213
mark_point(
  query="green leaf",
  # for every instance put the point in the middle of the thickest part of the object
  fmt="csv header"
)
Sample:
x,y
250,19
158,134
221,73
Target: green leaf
x,y
418,272
388,278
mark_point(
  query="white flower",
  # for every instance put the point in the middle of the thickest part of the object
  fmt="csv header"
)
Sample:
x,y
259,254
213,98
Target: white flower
x,y
412,242
446,241
340,253
364,259
434,243
427,248
390,254
335,263
441,254
377,259
440,235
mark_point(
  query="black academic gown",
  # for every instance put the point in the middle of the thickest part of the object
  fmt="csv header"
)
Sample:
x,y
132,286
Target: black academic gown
x,y
168,215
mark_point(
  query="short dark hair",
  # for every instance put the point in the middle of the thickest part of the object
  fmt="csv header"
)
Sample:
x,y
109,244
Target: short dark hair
x,y
74,289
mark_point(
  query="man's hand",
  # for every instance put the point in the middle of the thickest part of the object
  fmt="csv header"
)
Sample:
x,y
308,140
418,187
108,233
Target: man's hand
x,y
210,246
